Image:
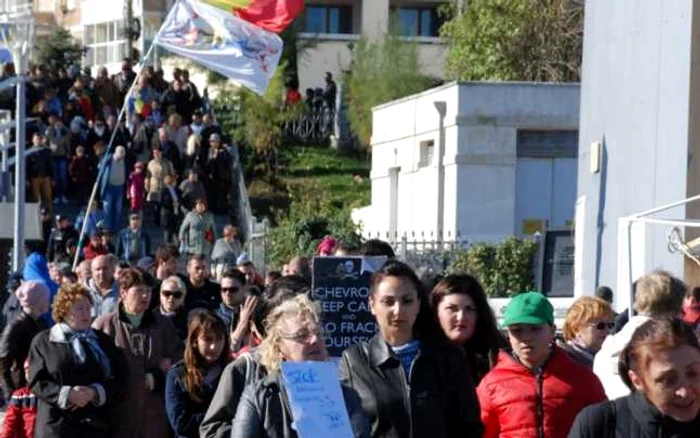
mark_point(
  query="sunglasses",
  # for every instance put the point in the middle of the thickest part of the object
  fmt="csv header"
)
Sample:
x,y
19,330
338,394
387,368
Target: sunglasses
x,y
231,290
172,293
604,325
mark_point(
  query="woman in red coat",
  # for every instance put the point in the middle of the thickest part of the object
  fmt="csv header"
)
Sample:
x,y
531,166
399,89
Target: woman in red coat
x,y
535,390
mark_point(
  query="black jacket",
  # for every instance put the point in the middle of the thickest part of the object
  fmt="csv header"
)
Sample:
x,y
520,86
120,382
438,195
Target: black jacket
x,y
170,217
57,241
630,417
40,164
14,349
439,402
264,412
208,296
184,413
53,366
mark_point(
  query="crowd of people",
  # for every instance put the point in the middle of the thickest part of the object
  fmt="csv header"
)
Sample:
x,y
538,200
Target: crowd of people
x,y
127,345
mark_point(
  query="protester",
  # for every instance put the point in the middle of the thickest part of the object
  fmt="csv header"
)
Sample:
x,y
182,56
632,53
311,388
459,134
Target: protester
x,y
191,383
656,294
80,172
58,138
588,322
605,294
136,187
172,304
535,389
20,415
300,266
149,344
201,291
460,307
84,272
157,169
660,365
226,251
198,230
170,210
103,286
95,247
406,358
133,243
11,308
40,171
691,307
75,372
218,168
252,278
33,298
112,184
294,335
93,216
236,309
59,237
192,188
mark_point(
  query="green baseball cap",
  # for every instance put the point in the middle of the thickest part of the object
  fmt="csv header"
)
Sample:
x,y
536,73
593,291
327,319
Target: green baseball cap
x,y
529,308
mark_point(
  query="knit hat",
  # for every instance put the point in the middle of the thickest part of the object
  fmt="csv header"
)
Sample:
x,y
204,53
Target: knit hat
x,y
33,294
529,308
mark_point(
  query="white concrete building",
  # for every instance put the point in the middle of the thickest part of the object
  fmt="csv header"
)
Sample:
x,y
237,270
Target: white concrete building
x,y
481,160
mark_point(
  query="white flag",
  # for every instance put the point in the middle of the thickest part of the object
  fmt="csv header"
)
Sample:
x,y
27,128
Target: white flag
x,y
222,42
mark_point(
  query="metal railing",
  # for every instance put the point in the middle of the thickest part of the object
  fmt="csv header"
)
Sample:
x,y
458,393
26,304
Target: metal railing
x,y
312,127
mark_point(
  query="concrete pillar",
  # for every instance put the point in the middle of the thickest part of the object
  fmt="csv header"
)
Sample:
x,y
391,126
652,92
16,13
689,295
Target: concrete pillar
x,y
375,18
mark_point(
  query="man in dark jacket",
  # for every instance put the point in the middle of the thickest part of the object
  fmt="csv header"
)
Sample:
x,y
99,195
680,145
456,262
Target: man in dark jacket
x,y
201,291
40,171
59,238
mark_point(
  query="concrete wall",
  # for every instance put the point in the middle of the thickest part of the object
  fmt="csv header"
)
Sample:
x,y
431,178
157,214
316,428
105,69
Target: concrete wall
x,y
636,83
480,128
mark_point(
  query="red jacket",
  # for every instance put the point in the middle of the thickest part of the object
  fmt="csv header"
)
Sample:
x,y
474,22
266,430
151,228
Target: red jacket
x,y
20,415
516,403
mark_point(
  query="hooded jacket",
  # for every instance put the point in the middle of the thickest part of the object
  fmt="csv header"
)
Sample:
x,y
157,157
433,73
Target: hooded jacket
x,y
36,267
517,402
606,361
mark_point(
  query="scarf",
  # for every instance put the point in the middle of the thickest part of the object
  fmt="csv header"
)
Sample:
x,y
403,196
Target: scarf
x,y
75,337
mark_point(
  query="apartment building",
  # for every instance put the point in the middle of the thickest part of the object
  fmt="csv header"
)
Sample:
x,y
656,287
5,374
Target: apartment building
x,y
334,25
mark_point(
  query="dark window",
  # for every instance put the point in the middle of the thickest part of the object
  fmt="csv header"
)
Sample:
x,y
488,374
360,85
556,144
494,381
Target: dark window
x,y
424,22
328,19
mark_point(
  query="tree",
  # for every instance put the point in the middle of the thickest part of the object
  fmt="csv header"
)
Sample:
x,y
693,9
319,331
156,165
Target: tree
x,y
515,40
59,49
380,72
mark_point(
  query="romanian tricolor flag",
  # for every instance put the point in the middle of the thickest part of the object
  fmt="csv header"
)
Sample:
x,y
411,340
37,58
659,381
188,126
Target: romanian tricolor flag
x,y
237,38
272,15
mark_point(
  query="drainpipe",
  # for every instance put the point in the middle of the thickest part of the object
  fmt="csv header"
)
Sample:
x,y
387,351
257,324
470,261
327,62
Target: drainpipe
x,y
441,107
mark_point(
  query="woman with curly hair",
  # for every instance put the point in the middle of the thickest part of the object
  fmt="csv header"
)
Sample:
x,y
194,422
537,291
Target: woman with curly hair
x,y
75,372
294,335
191,383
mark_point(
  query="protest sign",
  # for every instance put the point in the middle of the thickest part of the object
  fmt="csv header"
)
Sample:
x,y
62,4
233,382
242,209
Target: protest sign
x,y
341,287
316,400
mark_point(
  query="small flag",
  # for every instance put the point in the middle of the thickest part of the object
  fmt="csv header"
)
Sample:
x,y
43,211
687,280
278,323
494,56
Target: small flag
x,y
222,42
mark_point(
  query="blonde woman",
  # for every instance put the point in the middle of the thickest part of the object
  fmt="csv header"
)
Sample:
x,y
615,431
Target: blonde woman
x,y
192,151
294,334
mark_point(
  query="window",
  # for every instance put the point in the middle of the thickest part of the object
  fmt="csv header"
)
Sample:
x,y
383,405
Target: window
x,y
427,152
328,19
423,22
105,42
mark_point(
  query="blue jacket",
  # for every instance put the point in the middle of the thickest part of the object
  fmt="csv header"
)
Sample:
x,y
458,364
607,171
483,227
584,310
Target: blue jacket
x,y
184,414
228,316
124,243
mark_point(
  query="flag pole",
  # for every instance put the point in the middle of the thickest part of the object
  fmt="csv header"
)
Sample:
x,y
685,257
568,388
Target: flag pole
x,y
103,163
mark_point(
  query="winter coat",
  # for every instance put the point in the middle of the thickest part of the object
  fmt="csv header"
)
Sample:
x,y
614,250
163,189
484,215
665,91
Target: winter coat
x,y
198,233
516,402
169,209
54,367
191,191
136,190
439,401
20,416
59,141
607,359
244,371
184,413
39,164
141,413
155,172
80,170
630,417
36,267
14,349
124,245
207,296
264,412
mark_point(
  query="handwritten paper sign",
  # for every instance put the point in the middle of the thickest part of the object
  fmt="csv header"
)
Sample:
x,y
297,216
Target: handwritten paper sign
x,y
341,287
316,399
